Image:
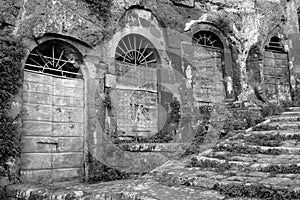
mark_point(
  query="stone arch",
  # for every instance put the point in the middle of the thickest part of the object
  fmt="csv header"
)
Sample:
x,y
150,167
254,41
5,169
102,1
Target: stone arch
x,y
137,22
81,46
227,71
55,112
142,22
136,92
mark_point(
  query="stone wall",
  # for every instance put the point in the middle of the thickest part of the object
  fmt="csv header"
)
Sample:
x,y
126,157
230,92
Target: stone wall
x,y
190,73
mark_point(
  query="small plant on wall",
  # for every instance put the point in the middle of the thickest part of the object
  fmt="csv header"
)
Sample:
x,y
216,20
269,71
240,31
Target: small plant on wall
x,y
107,100
175,111
12,52
175,117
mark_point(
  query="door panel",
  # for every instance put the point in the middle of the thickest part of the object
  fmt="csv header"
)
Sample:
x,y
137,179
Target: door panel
x,y
67,101
135,100
276,75
67,129
70,144
52,143
74,83
38,78
36,128
36,87
37,98
67,91
36,160
63,174
37,112
207,74
40,175
67,114
36,144
67,160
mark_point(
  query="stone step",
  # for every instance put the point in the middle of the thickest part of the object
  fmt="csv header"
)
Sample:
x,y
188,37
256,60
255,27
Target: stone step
x,y
257,158
114,190
272,188
296,113
216,163
271,159
264,164
243,198
287,133
243,148
269,139
285,118
278,126
295,109
284,126
236,184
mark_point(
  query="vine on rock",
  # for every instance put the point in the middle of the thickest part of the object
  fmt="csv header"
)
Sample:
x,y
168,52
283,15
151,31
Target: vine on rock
x,y
12,52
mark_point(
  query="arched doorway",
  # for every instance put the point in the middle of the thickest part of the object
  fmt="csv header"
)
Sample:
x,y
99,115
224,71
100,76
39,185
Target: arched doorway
x,y
276,71
208,71
53,119
135,95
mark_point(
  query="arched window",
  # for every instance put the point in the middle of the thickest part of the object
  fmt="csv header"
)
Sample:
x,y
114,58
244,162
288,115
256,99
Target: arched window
x,y
207,39
275,44
136,49
55,57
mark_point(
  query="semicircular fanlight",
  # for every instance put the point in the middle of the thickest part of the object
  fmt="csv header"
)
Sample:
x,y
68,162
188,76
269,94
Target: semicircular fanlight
x,y
208,39
55,57
275,44
136,49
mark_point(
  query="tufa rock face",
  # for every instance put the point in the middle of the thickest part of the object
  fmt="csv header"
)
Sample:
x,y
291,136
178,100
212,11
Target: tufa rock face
x,y
96,27
9,13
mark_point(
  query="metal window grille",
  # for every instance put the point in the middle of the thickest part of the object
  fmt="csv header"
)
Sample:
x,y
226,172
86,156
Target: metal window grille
x,y
55,58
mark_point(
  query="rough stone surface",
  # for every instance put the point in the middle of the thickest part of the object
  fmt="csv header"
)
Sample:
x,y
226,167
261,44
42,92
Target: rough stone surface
x,y
192,74
197,177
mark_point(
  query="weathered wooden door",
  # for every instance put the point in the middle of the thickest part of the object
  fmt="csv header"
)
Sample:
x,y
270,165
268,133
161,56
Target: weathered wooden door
x,y
135,100
207,74
52,141
276,75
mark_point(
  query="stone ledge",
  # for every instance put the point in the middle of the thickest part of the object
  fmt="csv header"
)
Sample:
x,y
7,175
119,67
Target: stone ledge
x,y
142,189
154,147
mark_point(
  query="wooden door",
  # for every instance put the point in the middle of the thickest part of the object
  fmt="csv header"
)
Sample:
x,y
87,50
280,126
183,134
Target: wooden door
x,y
207,74
135,100
53,119
276,75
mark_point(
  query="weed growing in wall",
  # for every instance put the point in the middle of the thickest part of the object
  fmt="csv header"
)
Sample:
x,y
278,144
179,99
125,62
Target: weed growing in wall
x,y
175,111
107,100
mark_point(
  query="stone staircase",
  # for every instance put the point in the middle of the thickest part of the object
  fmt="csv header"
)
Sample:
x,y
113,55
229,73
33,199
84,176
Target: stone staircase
x,y
263,163
260,163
